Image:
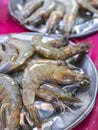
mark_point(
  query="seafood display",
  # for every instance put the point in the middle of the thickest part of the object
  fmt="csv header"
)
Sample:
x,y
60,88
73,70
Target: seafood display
x,y
56,16
47,84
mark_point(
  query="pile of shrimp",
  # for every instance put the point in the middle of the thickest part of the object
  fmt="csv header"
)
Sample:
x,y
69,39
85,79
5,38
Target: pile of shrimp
x,y
51,12
25,70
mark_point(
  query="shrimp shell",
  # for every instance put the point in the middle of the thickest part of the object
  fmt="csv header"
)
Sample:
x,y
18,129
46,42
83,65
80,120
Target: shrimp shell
x,y
55,17
15,54
10,103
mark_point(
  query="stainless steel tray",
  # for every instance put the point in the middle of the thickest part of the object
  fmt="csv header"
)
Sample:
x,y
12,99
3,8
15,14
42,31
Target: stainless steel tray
x,y
86,22
68,119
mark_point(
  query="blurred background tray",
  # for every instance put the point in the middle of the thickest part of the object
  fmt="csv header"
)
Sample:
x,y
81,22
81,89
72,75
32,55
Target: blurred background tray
x,y
86,22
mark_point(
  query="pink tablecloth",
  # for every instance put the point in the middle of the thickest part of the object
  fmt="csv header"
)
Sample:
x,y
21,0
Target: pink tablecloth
x,y
8,25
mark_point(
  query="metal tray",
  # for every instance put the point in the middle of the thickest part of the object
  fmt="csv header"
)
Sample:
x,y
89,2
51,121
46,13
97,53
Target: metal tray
x,y
68,119
86,22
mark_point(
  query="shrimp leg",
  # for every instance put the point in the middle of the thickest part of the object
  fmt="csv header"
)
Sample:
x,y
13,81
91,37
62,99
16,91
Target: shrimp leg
x,y
24,115
55,17
42,13
58,105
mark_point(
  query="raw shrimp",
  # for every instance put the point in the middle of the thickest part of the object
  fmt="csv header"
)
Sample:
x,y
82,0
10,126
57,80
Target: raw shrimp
x,y
30,7
42,13
55,17
37,74
71,11
17,76
14,54
7,53
10,103
60,53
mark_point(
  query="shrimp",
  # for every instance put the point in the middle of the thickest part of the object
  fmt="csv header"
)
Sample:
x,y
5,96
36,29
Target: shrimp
x,y
30,7
7,53
60,53
42,13
89,5
17,76
37,74
55,17
14,54
10,103
71,11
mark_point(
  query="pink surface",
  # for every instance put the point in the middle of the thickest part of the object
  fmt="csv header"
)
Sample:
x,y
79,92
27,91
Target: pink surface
x,y
8,25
